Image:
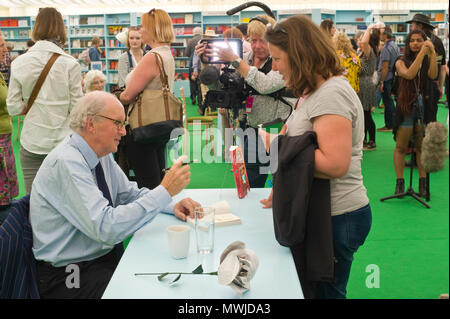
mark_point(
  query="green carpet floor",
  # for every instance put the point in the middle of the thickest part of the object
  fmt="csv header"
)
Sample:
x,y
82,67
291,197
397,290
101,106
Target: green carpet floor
x,y
408,245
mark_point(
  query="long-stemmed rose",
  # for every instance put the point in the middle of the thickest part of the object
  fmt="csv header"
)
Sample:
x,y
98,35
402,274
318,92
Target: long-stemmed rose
x,y
237,267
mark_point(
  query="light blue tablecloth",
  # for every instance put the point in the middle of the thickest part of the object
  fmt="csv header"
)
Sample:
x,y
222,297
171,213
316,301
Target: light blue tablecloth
x,y
276,277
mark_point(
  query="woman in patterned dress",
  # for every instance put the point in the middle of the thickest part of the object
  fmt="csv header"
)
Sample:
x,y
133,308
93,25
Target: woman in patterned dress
x,y
349,60
8,176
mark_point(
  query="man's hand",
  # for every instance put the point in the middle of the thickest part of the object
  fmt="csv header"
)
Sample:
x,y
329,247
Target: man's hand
x,y
184,208
380,87
177,178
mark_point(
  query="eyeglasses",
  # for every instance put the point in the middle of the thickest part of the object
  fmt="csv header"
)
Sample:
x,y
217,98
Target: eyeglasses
x,y
117,123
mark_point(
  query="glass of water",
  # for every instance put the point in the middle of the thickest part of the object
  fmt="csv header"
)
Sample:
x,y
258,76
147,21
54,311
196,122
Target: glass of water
x,y
204,229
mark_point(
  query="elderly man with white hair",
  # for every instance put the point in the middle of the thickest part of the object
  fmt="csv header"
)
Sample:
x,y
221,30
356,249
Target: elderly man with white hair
x,y
94,80
82,205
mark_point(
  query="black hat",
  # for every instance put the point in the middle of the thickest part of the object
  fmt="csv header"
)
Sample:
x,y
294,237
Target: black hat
x,y
421,18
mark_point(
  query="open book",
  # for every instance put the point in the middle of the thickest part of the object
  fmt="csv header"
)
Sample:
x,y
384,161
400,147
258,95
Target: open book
x,y
223,217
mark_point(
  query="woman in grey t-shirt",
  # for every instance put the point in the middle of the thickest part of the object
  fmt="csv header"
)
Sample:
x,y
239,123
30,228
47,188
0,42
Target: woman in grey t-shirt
x,y
331,108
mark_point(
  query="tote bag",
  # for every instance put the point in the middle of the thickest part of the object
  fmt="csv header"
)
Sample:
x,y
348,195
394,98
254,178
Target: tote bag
x,y
156,112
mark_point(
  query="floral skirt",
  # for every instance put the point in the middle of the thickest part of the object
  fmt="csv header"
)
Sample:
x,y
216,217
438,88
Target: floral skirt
x,y
8,178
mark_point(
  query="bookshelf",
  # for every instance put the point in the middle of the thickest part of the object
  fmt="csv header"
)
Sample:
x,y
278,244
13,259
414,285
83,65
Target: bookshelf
x,y
183,25
284,14
115,23
352,20
18,31
82,28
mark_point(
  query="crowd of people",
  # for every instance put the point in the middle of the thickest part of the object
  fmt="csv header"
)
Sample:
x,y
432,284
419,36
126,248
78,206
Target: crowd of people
x,y
329,87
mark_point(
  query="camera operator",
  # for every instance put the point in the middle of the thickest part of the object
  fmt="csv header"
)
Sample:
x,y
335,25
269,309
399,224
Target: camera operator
x,y
414,68
256,69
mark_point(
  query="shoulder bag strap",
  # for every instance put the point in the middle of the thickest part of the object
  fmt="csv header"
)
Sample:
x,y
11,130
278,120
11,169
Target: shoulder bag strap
x,y
165,83
40,81
130,61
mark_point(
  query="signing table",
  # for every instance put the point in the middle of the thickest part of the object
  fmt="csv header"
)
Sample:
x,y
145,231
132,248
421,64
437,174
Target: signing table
x,y
148,251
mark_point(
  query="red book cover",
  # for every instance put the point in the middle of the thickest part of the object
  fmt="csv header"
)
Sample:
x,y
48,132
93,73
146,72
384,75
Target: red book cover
x,y
239,171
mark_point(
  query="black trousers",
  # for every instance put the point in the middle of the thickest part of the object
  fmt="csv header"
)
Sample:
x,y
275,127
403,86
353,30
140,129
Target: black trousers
x,y
147,161
59,282
369,126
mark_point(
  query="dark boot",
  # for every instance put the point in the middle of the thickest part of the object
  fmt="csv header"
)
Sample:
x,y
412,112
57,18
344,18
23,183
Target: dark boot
x,y
422,187
400,186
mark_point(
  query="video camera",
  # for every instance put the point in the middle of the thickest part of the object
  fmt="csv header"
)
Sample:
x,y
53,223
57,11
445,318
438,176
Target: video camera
x,y
229,86
230,90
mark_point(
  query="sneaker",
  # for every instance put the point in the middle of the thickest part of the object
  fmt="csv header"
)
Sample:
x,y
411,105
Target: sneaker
x,y
384,129
371,146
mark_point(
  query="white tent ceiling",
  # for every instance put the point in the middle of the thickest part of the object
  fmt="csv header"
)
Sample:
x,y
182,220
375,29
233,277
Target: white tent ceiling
x,y
30,7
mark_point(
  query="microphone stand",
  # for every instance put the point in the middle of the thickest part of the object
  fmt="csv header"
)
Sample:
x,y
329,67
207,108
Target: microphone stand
x,y
410,191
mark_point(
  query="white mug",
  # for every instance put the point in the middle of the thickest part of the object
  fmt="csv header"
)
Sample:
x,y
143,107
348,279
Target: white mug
x,y
178,236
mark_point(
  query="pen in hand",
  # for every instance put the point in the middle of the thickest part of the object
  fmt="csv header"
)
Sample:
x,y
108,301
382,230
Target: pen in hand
x,y
165,170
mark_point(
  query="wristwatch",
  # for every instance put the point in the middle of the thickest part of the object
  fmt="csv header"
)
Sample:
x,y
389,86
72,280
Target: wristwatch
x,y
236,63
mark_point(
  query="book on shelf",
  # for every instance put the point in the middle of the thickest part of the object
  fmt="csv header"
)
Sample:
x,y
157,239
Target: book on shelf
x,y
177,52
76,44
23,23
188,18
223,216
113,65
114,29
181,76
438,17
96,65
179,64
114,43
83,32
9,23
113,78
114,54
74,20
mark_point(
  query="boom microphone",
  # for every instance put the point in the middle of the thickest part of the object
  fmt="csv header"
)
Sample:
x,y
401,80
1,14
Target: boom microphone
x,y
250,4
434,145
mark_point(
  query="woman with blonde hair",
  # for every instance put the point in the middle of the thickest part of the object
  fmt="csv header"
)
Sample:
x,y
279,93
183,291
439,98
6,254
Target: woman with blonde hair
x,y
130,59
94,81
148,160
47,122
349,60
